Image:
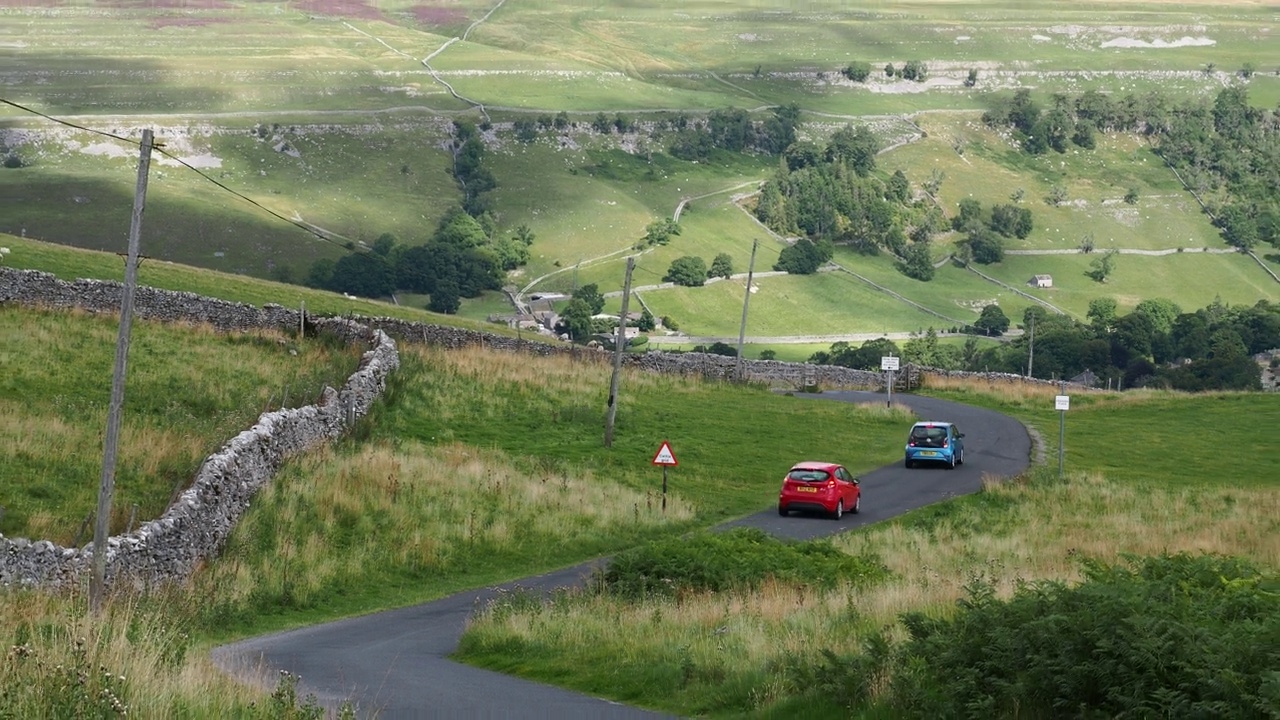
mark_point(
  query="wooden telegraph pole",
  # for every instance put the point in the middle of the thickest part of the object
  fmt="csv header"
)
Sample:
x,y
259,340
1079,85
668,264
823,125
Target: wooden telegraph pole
x,y
619,344
97,586
1031,349
742,329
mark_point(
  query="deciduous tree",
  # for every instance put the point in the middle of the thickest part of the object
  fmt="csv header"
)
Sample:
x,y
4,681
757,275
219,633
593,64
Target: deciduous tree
x,y
689,270
992,320
721,266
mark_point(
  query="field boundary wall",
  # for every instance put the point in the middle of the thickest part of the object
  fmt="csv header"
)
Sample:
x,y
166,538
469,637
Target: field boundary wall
x,y
197,524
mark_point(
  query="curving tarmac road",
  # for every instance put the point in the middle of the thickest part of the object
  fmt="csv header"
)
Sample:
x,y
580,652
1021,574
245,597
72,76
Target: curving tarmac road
x,y
395,664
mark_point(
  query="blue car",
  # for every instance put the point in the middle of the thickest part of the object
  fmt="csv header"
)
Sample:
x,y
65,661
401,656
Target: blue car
x,y
935,442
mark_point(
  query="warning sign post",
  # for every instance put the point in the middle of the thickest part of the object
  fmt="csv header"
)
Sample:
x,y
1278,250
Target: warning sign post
x,y
666,459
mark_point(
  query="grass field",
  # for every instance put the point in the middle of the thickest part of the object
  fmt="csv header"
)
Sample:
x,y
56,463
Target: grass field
x,y
1193,279
364,120
195,390
823,304
74,263
990,170
406,513
384,520
736,652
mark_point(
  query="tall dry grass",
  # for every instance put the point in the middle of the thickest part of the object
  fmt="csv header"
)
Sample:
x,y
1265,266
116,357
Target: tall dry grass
x,y
1011,533
418,510
1007,391
136,660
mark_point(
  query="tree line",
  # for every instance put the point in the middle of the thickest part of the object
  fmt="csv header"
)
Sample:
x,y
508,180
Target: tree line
x,y
1154,345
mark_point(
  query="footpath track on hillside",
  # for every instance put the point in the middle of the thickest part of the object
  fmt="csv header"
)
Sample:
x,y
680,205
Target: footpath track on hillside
x,y
395,664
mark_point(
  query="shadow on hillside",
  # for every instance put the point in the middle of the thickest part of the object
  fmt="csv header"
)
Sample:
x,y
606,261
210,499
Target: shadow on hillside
x,y
217,231
71,180
70,84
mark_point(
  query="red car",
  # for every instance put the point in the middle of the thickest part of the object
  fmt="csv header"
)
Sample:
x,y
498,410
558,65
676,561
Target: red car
x,y
820,487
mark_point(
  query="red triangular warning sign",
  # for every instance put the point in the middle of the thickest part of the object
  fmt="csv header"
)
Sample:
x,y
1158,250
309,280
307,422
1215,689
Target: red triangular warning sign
x,y
665,456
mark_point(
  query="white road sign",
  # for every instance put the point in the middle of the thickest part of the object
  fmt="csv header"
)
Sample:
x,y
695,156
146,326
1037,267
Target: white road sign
x,y
665,456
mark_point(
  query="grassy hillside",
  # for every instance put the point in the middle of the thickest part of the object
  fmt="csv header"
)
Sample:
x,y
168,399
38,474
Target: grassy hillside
x,y
405,510
73,263
190,391
333,119
752,651
336,119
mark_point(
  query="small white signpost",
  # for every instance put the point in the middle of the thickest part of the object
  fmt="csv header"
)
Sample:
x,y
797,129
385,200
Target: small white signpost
x,y
666,459
890,364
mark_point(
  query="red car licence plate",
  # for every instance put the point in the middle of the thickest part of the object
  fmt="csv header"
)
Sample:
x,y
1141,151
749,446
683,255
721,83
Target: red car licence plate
x,y
804,488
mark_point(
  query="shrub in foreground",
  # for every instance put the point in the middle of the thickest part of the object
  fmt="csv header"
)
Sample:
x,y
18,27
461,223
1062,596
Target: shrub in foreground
x,y
743,558
1171,636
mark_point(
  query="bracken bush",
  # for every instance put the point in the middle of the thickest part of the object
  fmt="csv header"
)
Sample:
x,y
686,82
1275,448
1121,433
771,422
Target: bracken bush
x,y
1168,636
739,559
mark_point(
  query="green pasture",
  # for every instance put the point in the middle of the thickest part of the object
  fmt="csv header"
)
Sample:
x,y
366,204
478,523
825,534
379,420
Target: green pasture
x,y
1264,90
217,61
836,302
1169,440
367,121
586,204
730,38
709,226
822,304
73,263
189,392
953,292
1193,280
990,170
614,56
341,182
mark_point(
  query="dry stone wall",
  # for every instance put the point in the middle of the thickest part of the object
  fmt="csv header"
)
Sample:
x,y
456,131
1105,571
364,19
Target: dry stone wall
x,y
199,522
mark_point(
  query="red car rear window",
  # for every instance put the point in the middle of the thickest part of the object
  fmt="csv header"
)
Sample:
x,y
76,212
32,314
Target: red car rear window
x,y
803,475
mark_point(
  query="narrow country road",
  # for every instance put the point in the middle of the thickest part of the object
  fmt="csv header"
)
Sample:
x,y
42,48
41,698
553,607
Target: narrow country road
x,y
395,664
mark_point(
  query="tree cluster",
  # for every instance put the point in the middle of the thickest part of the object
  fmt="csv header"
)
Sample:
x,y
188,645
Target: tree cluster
x,y
1154,345
577,319
472,177
734,130
1230,152
985,232
829,195
692,271
459,261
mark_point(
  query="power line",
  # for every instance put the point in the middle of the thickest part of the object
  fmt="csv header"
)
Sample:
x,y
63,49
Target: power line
x,y
158,148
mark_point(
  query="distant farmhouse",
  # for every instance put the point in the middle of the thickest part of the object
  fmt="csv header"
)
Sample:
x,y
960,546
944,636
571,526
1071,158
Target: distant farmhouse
x,y
1041,281
1087,378
1270,362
